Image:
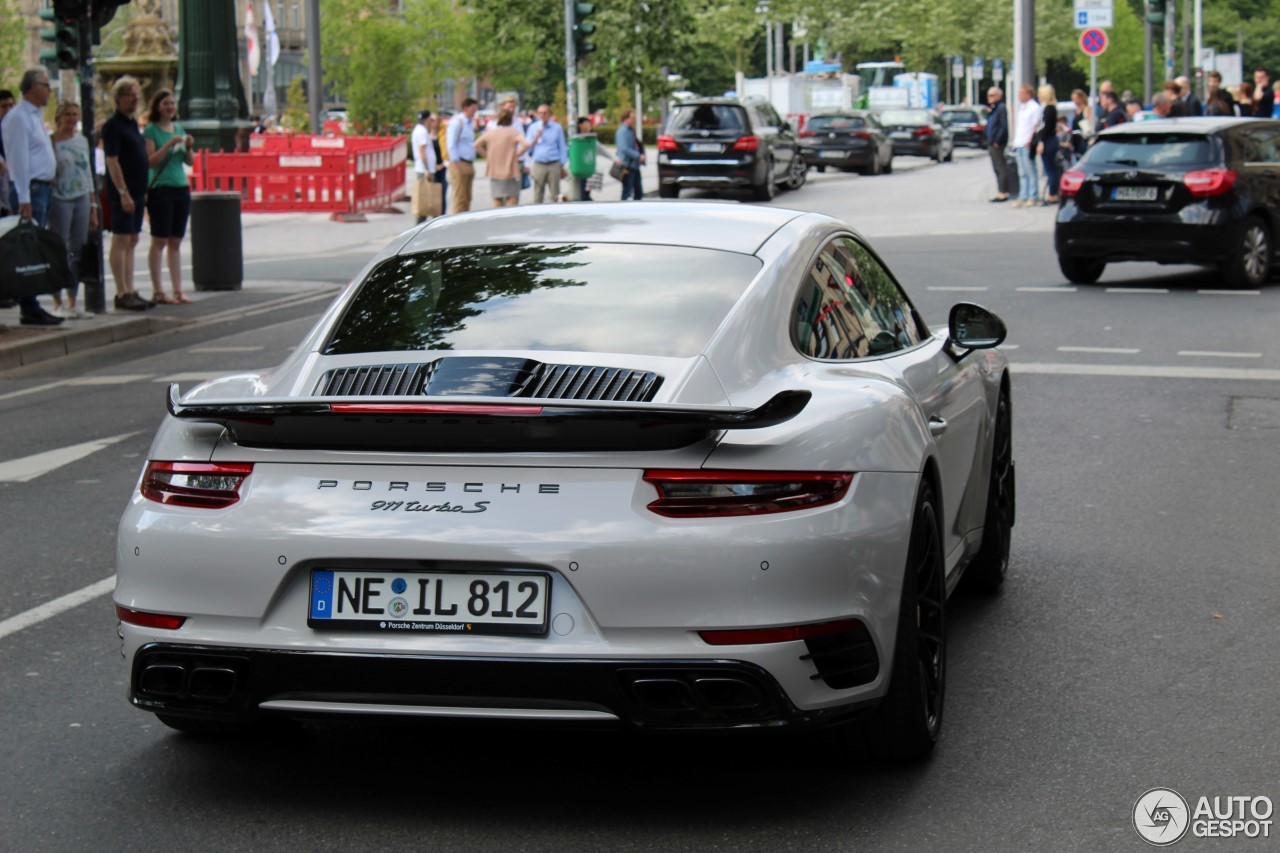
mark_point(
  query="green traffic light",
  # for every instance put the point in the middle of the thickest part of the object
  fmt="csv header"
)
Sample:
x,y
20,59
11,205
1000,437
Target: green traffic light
x,y
1155,11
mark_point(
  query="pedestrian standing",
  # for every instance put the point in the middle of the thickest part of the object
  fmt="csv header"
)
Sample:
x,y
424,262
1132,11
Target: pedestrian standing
x,y
584,184
1162,104
6,103
503,145
1047,144
1177,108
628,153
548,155
168,194
424,161
1245,101
1225,105
32,168
1082,124
460,139
1025,123
75,204
437,125
1263,97
127,170
997,143
1189,99
1112,114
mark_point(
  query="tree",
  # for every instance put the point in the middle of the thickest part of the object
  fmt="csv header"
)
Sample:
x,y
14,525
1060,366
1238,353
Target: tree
x,y
297,115
637,39
13,37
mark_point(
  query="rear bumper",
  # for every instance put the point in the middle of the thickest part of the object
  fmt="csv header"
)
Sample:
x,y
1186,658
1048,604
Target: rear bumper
x,y
848,157
1195,235
242,685
912,148
710,174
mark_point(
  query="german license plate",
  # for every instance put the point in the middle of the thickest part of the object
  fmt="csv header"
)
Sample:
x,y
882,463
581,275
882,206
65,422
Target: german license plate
x,y
1134,194
901,134
834,155
705,147
439,602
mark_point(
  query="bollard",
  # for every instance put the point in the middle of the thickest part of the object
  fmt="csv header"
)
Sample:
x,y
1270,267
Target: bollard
x,y
217,253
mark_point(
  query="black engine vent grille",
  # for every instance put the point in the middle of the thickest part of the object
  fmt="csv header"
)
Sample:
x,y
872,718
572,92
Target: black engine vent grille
x,y
844,660
492,377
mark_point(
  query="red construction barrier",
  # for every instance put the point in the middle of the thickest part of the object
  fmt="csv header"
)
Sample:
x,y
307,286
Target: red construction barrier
x,y
347,176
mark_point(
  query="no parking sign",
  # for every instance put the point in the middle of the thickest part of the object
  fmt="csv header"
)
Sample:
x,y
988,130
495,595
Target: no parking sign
x,y
1093,42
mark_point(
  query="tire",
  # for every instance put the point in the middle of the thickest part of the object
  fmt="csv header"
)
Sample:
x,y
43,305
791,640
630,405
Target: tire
x,y
888,166
767,190
1079,270
874,169
950,153
987,571
799,173
668,191
820,169
1251,265
906,724
937,154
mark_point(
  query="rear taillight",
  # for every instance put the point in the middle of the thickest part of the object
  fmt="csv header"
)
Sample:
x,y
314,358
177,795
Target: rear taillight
x,y
709,494
747,143
1209,182
1071,182
978,128
805,134
922,131
207,485
666,143
149,620
752,636
862,134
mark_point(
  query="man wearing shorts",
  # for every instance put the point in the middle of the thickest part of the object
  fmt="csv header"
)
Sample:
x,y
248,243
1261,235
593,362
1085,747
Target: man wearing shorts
x,y
127,168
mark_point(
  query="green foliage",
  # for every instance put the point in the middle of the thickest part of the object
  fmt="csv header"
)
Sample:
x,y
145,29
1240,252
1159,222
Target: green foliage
x,y
13,37
297,115
518,44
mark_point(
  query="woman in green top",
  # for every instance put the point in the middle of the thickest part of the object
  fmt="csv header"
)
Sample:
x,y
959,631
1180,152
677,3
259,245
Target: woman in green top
x,y
168,193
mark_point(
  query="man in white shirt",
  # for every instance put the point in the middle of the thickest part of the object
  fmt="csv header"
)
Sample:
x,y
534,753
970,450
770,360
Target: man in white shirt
x,y
424,162
1028,119
32,168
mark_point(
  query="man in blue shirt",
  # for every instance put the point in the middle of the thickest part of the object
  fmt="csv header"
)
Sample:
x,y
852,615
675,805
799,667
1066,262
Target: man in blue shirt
x,y
460,141
549,155
630,155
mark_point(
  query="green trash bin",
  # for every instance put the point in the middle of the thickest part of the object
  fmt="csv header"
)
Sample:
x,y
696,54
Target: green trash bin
x,y
582,155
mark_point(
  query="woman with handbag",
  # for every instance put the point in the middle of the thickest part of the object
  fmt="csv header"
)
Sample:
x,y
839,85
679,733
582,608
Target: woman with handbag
x,y
168,193
75,210
502,147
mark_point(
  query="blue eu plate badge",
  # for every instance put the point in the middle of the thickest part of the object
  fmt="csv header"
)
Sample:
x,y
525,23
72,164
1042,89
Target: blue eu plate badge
x,y
322,595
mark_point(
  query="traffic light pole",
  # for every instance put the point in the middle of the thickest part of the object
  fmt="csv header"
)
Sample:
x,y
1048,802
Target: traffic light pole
x,y
94,289
570,66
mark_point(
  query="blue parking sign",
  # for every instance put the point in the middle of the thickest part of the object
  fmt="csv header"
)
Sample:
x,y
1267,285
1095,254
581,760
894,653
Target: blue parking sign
x,y
1082,18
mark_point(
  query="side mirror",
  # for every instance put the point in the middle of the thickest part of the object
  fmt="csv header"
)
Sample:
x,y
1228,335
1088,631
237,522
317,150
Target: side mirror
x,y
974,327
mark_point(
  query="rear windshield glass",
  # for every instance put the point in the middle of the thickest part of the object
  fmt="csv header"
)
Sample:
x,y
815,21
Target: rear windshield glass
x,y
835,123
960,117
707,117
646,300
904,117
1153,150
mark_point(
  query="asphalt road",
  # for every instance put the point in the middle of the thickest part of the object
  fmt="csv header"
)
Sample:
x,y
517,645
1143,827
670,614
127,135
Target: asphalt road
x,y
1133,646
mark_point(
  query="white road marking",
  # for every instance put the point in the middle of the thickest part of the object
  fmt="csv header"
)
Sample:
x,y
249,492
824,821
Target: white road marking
x,y
35,389
1147,371
1196,353
225,349
50,609
186,377
29,467
1046,290
1137,290
1229,292
1007,346
116,379
1104,350
959,289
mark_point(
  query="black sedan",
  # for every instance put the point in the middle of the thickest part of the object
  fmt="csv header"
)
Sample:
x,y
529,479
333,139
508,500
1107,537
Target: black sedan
x,y
968,125
1174,191
852,139
918,132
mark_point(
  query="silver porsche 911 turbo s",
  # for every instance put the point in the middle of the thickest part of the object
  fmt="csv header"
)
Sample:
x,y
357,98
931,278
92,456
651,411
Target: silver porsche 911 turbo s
x,y
662,465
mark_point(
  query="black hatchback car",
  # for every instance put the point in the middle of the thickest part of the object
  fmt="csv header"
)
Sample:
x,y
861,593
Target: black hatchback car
x,y
968,125
918,132
716,143
851,139
1174,191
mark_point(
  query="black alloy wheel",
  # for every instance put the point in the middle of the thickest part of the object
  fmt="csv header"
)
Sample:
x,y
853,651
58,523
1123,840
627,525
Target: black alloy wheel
x,y
987,571
874,168
1081,270
906,724
820,169
765,191
1252,263
950,152
668,191
799,173
937,153
888,165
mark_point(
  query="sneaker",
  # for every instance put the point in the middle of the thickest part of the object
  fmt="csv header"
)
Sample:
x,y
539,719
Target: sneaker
x,y
79,314
44,318
131,302
61,311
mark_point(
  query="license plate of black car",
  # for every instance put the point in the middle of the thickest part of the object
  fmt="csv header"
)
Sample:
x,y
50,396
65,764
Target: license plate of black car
x,y
508,602
1134,194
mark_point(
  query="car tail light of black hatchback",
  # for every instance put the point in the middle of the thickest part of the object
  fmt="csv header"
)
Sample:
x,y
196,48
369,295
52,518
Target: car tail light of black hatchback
x,y
1209,182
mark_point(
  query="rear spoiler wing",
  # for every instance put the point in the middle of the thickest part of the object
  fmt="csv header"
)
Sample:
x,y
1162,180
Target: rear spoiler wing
x,y
479,427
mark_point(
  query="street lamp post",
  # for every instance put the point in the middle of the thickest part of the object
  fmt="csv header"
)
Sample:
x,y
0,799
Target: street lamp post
x,y
210,93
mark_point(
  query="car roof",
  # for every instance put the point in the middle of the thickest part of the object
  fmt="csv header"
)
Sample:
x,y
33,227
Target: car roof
x,y
725,226
729,102
1190,124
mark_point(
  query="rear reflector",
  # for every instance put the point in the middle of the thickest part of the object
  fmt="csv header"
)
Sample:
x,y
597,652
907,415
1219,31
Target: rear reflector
x,y
207,485
149,620
711,494
1071,182
666,143
747,143
755,636
1209,182
431,409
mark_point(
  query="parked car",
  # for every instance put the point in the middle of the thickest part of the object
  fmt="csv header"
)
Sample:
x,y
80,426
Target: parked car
x,y
918,132
968,125
652,466
727,143
1174,191
852,139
